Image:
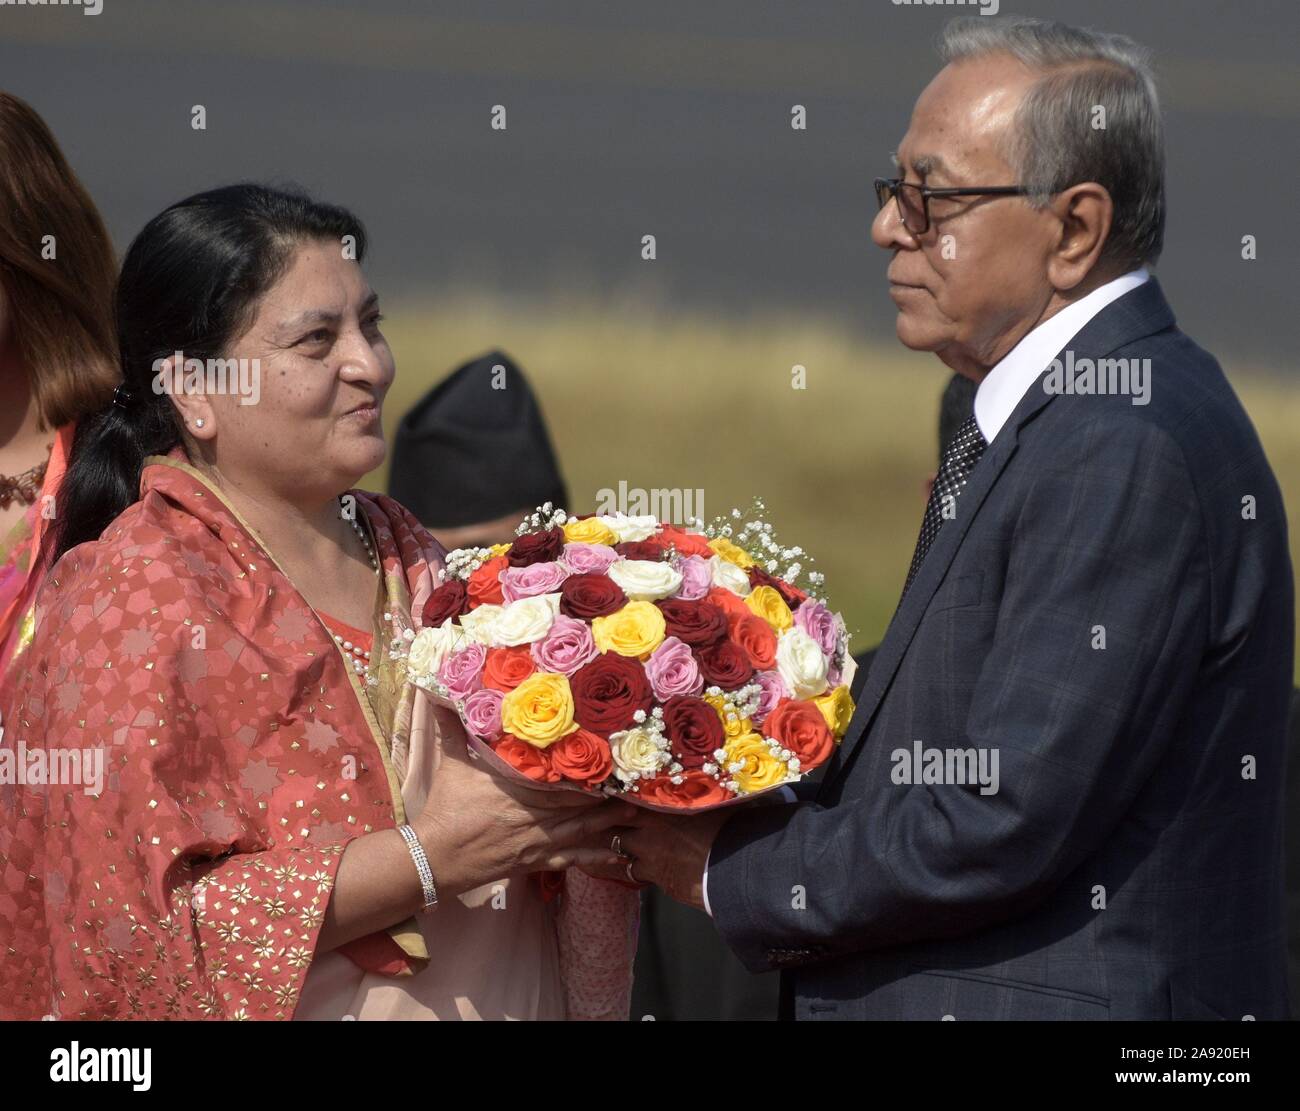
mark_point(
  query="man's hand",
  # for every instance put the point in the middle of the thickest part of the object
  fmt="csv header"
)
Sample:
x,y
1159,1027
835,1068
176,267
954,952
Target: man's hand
x,y
671,852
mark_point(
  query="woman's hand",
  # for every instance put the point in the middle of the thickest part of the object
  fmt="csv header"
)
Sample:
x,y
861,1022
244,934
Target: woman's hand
x,y
477,827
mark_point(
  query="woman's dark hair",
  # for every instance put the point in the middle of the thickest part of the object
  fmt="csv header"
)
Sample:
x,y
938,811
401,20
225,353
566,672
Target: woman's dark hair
x,y
190,282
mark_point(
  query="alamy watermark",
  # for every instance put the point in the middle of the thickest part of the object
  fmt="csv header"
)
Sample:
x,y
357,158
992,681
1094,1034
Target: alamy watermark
x,y
88,7
962,766
986,7
674,506
76,767
180,376
1122,377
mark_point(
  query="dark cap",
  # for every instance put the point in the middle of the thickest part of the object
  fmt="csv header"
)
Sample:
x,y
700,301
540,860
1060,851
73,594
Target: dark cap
x,y
475,448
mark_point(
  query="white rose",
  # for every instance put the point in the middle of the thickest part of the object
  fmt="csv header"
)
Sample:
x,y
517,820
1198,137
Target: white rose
x,y
479,623
630,528
645,579
430,647
801,663
526,620
726,574
638,753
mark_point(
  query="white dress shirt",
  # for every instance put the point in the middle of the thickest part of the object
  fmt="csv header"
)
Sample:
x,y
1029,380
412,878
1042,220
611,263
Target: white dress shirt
x,y
1002,388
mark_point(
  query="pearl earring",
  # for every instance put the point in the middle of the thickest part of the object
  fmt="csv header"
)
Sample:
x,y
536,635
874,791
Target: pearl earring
x,y
199,423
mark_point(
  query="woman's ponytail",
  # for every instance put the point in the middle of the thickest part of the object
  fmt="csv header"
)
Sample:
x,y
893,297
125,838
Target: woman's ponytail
x,y
108,455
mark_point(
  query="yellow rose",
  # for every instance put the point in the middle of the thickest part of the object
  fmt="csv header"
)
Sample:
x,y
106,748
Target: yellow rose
x,y
837,708
759,768
732,553
733,725
591,530
498,550
539,710
770,606
635,630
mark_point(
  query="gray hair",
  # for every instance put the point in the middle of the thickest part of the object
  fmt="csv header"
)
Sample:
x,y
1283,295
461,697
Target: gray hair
x,y
1056,143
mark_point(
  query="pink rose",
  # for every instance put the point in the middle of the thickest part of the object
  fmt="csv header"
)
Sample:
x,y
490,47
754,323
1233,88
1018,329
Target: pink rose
x,y
462,672
774,689
696,577
820,624
566,647
588,559
672,670
534,579
482,713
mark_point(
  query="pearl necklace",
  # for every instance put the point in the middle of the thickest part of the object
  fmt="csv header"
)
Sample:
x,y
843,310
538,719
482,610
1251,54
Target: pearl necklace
x,y
359,656
365,541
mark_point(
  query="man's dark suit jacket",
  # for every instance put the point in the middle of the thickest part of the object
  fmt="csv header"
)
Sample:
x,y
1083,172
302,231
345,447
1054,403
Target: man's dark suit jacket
x,y
1129,867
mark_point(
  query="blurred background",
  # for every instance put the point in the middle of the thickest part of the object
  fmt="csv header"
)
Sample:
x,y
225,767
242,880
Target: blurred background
x,y
669,119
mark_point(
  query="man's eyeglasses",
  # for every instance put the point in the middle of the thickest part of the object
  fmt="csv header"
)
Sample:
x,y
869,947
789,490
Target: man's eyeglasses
x,y
914,200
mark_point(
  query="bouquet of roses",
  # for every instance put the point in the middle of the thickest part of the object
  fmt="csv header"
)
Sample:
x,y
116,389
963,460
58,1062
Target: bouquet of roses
x,y
618,654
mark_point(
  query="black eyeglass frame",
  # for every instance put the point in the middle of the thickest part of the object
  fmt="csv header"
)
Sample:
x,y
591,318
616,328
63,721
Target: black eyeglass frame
x,y
887,189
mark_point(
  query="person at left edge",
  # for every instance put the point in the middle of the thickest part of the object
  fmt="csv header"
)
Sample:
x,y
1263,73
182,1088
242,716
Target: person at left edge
x,y
57,347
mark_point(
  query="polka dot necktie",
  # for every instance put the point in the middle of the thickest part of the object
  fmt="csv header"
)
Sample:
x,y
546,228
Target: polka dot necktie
x,y
959,459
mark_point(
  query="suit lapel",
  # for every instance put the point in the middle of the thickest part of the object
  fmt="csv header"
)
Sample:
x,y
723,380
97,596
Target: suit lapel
x,y
1139,313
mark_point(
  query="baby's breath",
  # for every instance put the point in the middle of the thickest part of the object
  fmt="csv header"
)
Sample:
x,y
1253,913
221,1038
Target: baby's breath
x,y
749,530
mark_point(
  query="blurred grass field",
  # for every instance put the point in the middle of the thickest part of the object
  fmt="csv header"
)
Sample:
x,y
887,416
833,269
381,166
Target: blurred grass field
x,y
669,399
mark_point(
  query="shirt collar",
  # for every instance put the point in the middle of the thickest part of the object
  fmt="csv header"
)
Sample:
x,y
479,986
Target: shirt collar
x,y
1002,388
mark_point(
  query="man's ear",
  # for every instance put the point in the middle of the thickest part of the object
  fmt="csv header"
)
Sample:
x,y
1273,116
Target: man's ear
x,y
1085,212
194,408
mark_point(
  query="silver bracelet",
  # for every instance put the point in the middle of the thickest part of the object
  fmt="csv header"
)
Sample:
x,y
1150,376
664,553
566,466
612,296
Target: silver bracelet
x,y
421,866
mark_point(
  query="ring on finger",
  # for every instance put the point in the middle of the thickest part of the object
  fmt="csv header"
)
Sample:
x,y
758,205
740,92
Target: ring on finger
x,y
617,846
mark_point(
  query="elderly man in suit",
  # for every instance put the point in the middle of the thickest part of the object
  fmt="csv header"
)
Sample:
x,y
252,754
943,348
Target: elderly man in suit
x,y
1099,610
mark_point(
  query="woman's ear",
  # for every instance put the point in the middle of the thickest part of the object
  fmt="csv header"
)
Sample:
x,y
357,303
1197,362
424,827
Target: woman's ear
x,y
195,410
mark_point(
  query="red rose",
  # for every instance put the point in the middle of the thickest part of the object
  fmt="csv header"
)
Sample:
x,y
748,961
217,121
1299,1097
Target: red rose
x,y
686,543
756,639
641,549
528,759
694,728
484,586
693,623
731,604
695,790
449,600
536,547
588,596
583,757
608,691
800,727
792,594
505,668
724,664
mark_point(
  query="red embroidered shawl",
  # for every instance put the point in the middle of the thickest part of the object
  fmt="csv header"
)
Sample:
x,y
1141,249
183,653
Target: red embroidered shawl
x,y
240,755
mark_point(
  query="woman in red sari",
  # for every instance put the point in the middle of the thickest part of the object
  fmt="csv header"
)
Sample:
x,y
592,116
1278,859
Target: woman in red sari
x,y
256,817
57,350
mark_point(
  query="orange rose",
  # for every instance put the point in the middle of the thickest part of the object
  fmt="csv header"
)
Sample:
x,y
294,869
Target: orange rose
x,y
800,727
528,759
583,757
505,668
756,639
686,543
695,790
484,585
733,605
